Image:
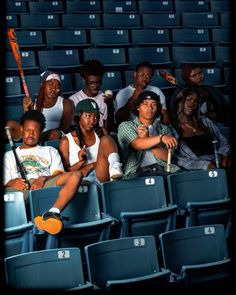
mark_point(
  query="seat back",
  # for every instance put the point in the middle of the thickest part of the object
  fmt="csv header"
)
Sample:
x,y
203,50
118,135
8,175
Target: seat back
x,y
121,259
193,246
148,193
197,186
81,21
118,6
39,21
83,6
83,207
146,6
200,20
191,36
46,269
109,38
17,229
161,20
43,7
121,21
150,37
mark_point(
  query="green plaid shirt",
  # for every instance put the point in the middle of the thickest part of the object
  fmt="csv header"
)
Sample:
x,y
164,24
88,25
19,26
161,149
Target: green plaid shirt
x,y
127,132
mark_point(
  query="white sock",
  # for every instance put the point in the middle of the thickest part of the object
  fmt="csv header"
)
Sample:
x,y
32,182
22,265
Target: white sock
x,y
55,210
113,157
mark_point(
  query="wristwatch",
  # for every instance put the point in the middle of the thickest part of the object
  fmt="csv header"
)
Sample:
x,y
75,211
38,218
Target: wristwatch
x,y
160,136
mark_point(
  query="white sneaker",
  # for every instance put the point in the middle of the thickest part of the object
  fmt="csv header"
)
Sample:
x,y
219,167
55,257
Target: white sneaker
x,y
115,171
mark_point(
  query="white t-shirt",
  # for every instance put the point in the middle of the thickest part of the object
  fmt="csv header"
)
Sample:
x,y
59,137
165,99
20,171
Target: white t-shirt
x,y
124,94
78,96
92,150
149,158
37,161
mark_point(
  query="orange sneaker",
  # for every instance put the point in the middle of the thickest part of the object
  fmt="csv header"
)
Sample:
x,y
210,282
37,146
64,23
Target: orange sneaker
x,y
50,222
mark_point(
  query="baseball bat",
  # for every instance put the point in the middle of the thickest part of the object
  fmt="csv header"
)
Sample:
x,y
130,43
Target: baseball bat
x,y
168,161
16,52
216,153
170,78
18,163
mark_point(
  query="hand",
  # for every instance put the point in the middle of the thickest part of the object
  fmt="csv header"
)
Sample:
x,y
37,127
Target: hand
x,y
18,183
142,131
211,166
82,154
170,141
108,97
27,103
38,183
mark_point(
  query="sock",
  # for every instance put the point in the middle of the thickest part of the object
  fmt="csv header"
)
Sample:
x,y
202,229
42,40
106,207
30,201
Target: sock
x,y
113,157
55,210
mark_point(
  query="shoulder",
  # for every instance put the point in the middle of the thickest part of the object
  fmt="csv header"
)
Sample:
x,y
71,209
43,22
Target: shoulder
x,y
124,90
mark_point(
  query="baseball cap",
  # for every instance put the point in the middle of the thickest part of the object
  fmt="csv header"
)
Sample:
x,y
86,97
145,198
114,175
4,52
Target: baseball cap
x,y
147,95
49,75
87,105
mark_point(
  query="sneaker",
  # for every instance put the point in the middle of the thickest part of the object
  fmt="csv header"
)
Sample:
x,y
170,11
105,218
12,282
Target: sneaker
x,y
50,222
115,171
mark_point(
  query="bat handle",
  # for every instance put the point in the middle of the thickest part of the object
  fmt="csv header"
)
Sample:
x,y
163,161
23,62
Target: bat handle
x,y
7,129
216,153
168,161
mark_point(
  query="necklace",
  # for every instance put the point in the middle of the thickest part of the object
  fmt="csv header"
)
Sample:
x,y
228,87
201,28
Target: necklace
x,y
194,129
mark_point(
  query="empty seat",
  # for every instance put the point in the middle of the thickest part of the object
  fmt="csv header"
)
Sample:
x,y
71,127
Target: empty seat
x,y
66,39
59,60
46,7
67,84
81,21
145,211
155,55
192,54
191,37
109,38
221,36
191,6
29,39
125,264
212,76
112,80
18,231
202,197
150,37
161,20
225,19
110,57
86,224
197,256
83,6
223,55
47,269
18,7
40,22
28,60
220,6
121,21
200,20
13,112
156,7
11,21
13,87
33,83
118,6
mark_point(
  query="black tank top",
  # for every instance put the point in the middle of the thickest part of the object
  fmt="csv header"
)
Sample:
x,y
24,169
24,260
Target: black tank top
x,y
200,144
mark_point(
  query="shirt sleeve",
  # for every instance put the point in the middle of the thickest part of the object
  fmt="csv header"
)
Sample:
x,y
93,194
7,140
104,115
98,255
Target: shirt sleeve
x,y
9,167
56,164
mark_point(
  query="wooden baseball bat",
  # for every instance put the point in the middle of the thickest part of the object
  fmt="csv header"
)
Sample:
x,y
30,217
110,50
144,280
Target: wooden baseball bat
x,y
16,52
168,161
19,165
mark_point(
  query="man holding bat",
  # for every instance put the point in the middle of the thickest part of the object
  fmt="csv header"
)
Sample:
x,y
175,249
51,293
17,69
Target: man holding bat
x,y
43,168
145,141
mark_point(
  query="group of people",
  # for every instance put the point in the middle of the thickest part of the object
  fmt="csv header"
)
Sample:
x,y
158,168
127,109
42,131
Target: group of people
x,y
147,130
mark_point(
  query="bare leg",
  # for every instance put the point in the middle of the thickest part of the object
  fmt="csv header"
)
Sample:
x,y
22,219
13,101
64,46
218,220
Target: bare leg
x,y
106,147
70,182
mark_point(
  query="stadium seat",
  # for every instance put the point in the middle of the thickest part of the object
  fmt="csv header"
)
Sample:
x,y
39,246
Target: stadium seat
x,y
221,36
125,264
225,19
109,38
86,224
18,7
158,56
202,197
81,21
223,55
13,91
59,60
33,83
46,7
161,20
54,269
156,6
191,37
150,37
220,6
200,20
121,21
67,88
191,6
28,60
31,40
143,212
212,76
13,112
17,230
197,256
118,6
39,21
66,39
12,21
53,142
112,80
83,6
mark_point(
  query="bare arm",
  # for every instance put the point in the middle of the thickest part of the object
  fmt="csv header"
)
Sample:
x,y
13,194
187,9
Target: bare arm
x,y
67,116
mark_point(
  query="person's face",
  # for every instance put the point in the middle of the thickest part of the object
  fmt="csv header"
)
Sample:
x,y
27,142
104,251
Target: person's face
x,y
143,77
88,120
191,104
31,131
52,88
196,77
147,109
93,84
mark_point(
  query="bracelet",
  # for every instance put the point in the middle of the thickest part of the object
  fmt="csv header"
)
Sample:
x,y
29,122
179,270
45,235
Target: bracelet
x,y
161,135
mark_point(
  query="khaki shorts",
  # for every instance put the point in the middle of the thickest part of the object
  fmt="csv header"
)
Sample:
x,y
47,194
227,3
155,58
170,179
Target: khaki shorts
x,y
48,183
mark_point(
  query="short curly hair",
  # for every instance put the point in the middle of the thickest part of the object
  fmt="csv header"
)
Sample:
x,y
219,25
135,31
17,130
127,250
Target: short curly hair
x,y
92,67
34,115
187,69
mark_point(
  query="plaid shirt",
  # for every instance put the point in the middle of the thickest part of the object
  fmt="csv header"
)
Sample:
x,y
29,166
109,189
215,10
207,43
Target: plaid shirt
x,y
127,132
